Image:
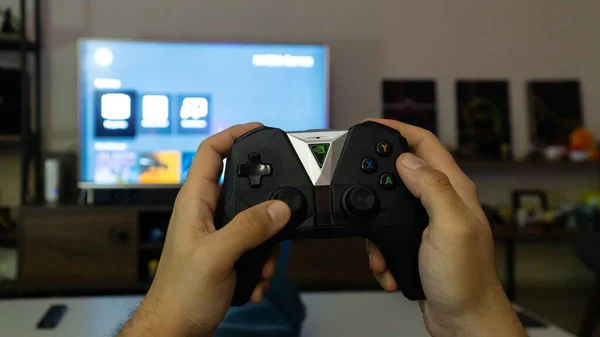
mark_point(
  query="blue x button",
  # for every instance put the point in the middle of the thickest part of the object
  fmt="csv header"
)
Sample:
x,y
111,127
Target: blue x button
x,y
369,165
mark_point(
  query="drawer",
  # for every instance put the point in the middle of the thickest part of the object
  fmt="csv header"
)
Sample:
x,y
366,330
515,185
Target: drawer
x,y
79,247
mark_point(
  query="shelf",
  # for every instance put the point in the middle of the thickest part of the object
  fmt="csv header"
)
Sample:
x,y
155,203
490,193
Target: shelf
x,y
558,236
471,164
9,139
20,289
8,240
14,44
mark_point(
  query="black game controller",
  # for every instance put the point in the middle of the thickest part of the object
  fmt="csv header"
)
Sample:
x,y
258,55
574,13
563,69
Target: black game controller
x,y
337,184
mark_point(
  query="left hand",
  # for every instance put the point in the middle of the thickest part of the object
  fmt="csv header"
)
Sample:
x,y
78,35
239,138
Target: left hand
x,y
195,280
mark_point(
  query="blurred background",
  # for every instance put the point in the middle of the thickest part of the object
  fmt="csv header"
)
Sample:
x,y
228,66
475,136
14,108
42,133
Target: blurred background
x,y
509,87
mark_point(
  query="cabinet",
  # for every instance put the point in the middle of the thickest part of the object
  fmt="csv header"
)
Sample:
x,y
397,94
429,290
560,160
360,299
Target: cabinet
x,y
76,246
106,250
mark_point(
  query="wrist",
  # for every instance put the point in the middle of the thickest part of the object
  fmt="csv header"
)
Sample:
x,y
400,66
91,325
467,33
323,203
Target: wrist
x,y
496,317
493,316
152,319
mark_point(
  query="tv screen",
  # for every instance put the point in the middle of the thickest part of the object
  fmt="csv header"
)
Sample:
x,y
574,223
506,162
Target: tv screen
x,y
144,107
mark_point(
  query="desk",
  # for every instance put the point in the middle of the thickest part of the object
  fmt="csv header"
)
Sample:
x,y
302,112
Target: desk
x,y
350,314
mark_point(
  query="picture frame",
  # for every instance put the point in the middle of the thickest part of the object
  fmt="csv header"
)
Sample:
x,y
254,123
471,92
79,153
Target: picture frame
x,y
536,199
529,207
411,101
555,109
483,116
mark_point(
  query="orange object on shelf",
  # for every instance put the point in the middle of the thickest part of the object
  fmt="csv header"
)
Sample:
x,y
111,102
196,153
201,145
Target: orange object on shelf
x,y
583,140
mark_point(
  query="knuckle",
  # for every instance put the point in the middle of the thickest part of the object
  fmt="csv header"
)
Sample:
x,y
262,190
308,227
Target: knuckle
x,y
429,135
437,181
470,187
249,223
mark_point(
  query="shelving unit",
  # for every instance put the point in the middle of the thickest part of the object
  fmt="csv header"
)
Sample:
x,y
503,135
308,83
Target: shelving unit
x,y
29,139
475,164
9,139
8,240
511,238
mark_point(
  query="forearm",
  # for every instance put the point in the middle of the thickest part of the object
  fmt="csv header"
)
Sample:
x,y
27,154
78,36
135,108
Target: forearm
x,y
495,317
498,320
147,321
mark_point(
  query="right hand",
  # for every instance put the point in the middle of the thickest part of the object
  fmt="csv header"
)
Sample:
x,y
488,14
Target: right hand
x,y
456,258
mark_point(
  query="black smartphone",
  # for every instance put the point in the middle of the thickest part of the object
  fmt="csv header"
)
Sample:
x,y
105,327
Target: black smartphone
x,y
52,317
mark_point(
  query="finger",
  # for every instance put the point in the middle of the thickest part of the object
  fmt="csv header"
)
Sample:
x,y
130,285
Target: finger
x,y
387,281
260,291
435,191
376,259
201,186
379,268
427,146
271,264
251,228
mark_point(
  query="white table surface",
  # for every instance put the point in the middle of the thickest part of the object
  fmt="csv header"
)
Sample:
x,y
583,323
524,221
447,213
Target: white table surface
x,y
373,314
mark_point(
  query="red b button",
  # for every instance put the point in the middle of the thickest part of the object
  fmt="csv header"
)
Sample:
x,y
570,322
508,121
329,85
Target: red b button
x,y
384,148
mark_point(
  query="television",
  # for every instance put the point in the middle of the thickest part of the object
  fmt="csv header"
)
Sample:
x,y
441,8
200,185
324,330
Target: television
x,y
145,106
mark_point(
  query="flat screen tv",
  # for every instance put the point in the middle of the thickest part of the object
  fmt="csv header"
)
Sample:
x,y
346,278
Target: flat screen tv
x,y
145,106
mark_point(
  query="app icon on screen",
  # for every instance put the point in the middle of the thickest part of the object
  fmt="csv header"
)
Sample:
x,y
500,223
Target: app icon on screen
x,y
194,114
155,111
186,161
116,110
162,167
118,167
114,114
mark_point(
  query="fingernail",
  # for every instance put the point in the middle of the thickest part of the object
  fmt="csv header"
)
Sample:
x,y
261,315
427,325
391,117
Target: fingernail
x,y
412,162
278,211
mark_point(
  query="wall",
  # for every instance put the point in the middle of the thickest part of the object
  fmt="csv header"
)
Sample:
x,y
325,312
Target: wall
x,y
445,40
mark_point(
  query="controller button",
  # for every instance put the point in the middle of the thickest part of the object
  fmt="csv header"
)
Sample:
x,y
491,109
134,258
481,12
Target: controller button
x,y
359,200
387,181
295,201
384,148
369,165
254,170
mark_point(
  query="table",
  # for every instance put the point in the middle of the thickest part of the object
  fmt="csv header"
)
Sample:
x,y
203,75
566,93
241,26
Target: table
x,y
349,314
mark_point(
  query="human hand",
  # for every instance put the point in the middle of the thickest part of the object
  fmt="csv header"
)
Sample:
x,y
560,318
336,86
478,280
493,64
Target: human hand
x,y
456,258
195,280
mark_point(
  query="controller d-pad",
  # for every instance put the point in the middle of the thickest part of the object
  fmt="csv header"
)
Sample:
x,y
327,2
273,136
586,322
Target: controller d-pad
x,y
254,170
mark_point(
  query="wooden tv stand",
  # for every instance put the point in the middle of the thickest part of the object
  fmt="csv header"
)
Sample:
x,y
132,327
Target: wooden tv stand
x,y
106,249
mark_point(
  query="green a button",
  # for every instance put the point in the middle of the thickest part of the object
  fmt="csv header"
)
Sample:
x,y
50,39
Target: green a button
x,y
387,181
319,151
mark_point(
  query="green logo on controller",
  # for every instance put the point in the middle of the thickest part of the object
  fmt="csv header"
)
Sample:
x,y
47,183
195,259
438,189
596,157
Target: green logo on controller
x,y
388,181
319,151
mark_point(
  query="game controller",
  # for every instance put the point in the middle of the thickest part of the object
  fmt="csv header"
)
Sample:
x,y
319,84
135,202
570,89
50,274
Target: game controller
x,y
337,184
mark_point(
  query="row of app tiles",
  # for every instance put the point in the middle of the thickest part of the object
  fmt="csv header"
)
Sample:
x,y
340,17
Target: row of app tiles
x,y
125,113
128,167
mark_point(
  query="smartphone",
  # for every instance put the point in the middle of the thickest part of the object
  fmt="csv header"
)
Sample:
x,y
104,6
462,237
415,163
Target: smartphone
x,y
52,317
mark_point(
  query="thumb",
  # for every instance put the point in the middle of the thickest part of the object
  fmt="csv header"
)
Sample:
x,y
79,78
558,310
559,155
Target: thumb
x,y
252,227
432,187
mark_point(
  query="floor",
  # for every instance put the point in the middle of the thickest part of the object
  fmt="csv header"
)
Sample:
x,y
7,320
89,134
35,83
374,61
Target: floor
x,y
563,307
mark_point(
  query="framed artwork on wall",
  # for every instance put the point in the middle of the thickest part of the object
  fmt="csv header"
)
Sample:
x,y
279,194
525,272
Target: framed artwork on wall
x,y
555,111
483,113
411,101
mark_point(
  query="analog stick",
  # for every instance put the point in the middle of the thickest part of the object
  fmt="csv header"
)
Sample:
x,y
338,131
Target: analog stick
x,y
360,200
295,201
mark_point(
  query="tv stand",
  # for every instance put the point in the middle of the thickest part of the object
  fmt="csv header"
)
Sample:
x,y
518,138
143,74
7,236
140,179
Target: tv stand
x,y
96,250
130,196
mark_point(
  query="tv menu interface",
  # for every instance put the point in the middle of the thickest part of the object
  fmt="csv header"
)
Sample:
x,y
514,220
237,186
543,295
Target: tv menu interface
x,y
146,106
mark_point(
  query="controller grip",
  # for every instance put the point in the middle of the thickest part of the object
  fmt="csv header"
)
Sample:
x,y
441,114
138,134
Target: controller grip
x,y
401,253
248,271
